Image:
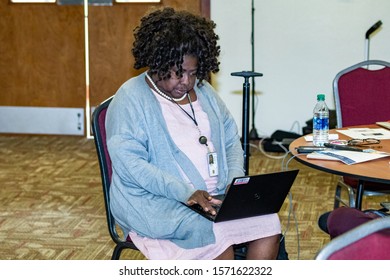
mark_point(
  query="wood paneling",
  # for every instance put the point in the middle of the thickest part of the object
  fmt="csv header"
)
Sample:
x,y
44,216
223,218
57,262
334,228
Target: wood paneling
x,y
42,55
42,51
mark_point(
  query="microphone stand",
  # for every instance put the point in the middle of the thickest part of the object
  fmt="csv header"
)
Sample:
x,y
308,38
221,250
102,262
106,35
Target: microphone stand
x,y
253,133
245,113
368,34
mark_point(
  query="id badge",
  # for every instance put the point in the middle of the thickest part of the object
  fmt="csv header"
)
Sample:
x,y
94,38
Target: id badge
x,y
212,164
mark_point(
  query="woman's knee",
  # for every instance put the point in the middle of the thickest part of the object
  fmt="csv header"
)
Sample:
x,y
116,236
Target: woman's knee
x,y
228,254
264,248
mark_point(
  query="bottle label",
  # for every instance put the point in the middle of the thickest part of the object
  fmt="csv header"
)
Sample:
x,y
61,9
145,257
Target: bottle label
x,y
320,123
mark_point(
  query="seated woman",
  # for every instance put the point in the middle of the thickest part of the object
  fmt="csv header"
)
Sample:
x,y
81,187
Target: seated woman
x,y
163,128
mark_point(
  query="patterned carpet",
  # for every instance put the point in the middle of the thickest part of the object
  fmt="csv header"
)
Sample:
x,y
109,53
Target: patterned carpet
x,y
51,204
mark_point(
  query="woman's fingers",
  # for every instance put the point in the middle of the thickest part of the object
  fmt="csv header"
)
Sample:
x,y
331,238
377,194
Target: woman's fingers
x,y
204,199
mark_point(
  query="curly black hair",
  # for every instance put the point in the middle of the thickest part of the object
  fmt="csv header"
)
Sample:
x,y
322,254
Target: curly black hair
x,y
165,36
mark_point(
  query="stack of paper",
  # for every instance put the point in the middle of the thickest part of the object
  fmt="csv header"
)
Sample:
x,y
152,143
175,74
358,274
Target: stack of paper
x,y
347,157
364,133
384,124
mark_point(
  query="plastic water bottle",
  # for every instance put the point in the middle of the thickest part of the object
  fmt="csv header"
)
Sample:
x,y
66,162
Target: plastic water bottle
x,y
320,122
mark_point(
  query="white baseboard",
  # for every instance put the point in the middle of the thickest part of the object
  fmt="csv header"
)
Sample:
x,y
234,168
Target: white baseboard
x,y
41,120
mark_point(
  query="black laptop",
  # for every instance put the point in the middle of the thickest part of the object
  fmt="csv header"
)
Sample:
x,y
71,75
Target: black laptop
x,y
251,196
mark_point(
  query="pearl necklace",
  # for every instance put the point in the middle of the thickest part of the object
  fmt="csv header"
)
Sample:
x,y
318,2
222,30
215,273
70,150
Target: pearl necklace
x,y
163,94
202,139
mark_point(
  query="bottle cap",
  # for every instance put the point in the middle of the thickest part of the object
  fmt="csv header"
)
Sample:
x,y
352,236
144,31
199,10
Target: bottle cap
x,y
321,97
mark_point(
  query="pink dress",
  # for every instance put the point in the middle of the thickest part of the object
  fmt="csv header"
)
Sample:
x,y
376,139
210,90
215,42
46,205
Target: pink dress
x,y
226,233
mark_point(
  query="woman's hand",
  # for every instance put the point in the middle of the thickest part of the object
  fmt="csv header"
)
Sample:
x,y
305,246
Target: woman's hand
x,y
205,200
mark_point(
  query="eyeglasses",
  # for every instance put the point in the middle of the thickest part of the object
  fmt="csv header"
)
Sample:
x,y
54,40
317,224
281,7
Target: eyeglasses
x,y
357,142
363,142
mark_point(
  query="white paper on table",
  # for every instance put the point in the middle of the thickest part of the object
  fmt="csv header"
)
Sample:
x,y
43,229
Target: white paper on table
x,y
347,157
332,136
365,132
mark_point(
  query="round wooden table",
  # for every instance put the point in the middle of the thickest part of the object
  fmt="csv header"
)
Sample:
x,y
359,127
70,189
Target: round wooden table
x,y
374,171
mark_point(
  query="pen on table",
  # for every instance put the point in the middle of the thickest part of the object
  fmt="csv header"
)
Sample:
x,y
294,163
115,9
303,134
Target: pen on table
x,y
342,147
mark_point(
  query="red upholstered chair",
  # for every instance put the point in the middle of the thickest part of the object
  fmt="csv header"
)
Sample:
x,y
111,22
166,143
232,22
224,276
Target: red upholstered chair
x,y
362,96
369,241
99,132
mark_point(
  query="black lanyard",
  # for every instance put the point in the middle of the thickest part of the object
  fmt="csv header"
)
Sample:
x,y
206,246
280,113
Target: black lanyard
x,y
202,138
193,118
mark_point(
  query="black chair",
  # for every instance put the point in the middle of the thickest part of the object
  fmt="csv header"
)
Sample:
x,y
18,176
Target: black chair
x,y
99,132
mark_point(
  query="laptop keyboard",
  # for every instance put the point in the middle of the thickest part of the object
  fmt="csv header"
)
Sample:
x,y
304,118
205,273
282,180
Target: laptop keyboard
x,y
199,208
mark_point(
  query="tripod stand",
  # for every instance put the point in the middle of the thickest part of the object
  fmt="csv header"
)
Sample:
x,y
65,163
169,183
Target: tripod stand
x,y
253,132
245,113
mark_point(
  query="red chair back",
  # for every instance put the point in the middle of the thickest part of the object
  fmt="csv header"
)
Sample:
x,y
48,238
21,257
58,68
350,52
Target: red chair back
x,y
99,131
102,126
369,241
376,246
362,93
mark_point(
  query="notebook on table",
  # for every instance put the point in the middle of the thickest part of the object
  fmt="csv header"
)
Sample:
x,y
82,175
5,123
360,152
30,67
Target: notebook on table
x,y
384,124
251,196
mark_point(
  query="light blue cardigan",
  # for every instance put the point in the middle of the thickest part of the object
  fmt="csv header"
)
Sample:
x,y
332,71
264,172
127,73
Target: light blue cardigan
x,y
147,188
